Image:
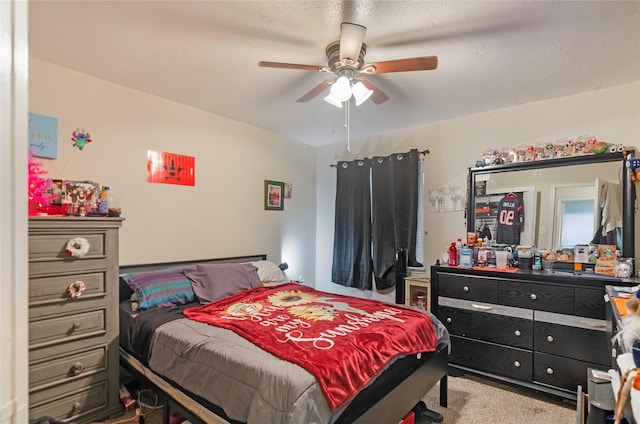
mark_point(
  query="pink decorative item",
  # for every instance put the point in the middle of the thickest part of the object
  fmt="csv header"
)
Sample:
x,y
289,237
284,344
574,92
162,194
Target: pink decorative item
x,y
39,188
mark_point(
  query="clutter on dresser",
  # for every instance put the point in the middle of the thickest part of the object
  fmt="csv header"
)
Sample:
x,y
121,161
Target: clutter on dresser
x,y
80,198
543,150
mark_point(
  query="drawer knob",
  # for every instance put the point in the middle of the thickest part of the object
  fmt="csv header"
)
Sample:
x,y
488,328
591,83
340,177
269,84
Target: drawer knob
x,y
76,289
465,288
77,247
77,368
550,371
533,296
76,405
76,325
550,339
516,364
449,319
518,333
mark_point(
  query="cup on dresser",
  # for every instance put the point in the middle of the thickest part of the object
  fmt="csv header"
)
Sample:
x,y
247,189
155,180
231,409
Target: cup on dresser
x,y
547,266
501,259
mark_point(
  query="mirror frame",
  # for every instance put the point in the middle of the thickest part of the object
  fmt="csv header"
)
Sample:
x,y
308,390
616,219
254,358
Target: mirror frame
x,y
628,188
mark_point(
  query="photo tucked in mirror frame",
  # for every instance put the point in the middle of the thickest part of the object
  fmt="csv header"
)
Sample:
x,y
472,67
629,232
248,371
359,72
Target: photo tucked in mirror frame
x,y
554,208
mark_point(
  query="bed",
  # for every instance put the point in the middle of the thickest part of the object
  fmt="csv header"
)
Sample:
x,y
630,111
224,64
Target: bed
x,y
213,375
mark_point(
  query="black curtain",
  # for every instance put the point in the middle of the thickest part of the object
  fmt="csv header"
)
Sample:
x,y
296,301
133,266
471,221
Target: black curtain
x,y
352,265
394,187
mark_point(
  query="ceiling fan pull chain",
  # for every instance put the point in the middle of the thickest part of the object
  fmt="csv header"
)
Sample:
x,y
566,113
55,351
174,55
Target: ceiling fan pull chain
x,y
347,123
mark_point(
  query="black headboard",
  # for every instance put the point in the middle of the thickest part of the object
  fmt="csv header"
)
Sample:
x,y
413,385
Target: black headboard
x,y
126,292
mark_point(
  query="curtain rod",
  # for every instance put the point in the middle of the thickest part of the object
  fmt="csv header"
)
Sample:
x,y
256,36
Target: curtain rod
x,y
423,152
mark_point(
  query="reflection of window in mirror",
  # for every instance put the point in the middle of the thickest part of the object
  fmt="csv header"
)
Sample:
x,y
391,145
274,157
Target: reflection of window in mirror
x,y
575,220
576,223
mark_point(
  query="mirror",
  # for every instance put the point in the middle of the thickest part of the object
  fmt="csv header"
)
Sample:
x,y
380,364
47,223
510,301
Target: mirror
x,y
558,200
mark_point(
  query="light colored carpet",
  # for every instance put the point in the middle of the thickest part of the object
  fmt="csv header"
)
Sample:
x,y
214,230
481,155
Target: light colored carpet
x,y
474,400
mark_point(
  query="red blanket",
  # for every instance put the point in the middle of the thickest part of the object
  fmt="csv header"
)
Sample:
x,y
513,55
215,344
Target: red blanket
x,y
343,341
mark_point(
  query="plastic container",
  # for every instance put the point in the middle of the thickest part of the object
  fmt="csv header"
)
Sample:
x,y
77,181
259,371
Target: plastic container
x,y
103,206
501,258
466,257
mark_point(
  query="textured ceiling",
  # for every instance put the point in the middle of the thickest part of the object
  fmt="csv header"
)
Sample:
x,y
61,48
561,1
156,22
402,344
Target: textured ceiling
x,y
492,54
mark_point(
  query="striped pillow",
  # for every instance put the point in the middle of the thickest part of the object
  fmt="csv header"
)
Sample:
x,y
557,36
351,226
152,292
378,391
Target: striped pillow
x,y
163,289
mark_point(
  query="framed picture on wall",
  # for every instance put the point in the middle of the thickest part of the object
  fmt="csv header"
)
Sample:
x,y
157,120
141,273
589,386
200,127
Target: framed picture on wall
x,y
273,195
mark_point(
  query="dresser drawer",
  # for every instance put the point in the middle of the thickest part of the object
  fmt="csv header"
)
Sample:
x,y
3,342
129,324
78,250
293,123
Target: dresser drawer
x,y
579,338
72,401
67,328
58,370
494,323
493,358
468,287
541,297
53,246
590,303
56,288
66,307
561,372
67,266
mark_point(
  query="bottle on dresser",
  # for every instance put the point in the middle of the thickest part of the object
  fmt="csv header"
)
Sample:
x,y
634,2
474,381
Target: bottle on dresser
x,y
453,254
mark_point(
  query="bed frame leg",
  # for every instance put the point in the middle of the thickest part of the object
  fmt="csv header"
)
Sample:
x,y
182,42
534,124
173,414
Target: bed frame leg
x,y
443,391
166,412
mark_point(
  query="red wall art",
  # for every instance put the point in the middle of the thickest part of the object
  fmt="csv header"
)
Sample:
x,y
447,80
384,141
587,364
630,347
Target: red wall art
x,y
170,168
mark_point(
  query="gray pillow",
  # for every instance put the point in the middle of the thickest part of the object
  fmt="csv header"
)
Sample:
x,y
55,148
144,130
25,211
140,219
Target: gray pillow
x,y
212,282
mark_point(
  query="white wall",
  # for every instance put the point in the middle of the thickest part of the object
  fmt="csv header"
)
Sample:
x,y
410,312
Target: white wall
x,y
612,115
223,215
14,331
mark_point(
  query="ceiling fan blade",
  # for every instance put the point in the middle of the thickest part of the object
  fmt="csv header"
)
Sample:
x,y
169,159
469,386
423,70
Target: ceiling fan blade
x,y
426,63
315,91
378,95
315,68
351,39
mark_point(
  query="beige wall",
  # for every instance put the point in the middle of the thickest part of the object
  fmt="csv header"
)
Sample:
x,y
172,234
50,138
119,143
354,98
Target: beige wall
x,y
610,114
223,215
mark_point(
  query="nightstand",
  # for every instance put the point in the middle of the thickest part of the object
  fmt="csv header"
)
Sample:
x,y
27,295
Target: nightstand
x,y
417,289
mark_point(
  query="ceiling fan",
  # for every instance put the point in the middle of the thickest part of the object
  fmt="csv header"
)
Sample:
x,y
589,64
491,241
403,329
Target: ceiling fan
x,y
346,62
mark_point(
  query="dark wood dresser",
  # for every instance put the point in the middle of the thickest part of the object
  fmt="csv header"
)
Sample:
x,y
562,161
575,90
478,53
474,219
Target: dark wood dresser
x,y
73,341
533,329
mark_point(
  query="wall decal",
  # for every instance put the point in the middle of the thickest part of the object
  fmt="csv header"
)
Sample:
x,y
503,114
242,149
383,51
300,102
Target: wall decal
x,y
80,138
170,168
446,199
43,135
288,190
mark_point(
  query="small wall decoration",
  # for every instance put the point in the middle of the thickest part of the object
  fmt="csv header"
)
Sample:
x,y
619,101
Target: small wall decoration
x,y
446,199
170,168
288,190
273,195
80,138
43,135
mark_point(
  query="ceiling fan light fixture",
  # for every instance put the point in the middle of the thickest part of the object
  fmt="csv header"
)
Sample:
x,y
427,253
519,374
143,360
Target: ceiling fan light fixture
x,y
341,89
360,93
332,100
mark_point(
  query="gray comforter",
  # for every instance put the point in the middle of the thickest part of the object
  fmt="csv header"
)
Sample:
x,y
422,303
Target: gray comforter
x,y
250,384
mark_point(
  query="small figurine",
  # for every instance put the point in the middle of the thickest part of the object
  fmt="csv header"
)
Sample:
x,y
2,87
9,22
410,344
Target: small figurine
x,y
616,148
549,151
530,154
80,138
569,149
600,147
